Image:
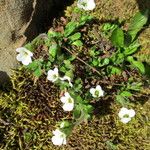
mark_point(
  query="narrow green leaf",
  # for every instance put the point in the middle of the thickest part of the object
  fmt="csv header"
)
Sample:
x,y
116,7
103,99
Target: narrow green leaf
x,y
126,94
139,65
70,28
117,37
53,50
77,43
121,100
138,21
132,48
75,36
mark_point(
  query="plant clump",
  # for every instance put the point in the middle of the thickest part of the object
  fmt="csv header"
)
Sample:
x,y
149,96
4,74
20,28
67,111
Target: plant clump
x,y
80,88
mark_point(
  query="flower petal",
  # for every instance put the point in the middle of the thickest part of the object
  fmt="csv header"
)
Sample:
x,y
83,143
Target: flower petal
x,y
26,61
68,106
57,132
123,111
92,91
63,99
131,113
56,70
125,120
57,140
67,95
86,4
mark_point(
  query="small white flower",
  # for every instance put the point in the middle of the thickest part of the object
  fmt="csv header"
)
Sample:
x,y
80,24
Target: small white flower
x,y
86,4
24,55
59,137
53,75
67,78
97,92
68,102
126,114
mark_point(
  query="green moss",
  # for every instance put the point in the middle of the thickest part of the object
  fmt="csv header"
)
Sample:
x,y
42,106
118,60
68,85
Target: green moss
x,y
30,112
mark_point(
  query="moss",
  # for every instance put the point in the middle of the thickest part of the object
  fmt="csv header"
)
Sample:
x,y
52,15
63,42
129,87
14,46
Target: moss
x,y
30,111
144,53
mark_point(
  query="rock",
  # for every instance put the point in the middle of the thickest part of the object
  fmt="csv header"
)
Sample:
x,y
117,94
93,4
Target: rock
x,y
15,18
22,20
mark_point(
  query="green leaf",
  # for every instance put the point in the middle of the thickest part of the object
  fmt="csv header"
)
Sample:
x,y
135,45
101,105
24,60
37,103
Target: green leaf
x,y
76,112
114,70
84,19
117,37
69,74
126,94
35,64
53,50
75,37
70,28
138,21
139,65
68,64
104,62
121,100
95,62
38,72
52,34
132,48
77,43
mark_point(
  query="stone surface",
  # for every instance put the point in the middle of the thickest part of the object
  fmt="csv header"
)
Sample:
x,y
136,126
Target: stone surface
x,y
22,20
15,17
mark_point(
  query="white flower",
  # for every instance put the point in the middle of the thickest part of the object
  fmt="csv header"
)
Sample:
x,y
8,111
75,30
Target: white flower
x,y
126,114
86,4
53,75
97,92
24,55
68,102
67,78
59,137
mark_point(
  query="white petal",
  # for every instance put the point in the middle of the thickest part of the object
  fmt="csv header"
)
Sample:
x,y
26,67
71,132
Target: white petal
x,y
57,132
123,111
68,106
67,95
92,91
56,70
29,53
98,87
20,49
86,4
64,141
20,57
125,120
27,60
91,5
52,76
131,113
50,72
57,140
63,99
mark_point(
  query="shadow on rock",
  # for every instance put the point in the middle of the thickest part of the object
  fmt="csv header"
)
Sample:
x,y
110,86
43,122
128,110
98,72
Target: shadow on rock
x,y
4,80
